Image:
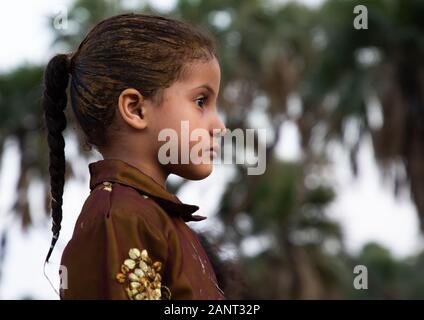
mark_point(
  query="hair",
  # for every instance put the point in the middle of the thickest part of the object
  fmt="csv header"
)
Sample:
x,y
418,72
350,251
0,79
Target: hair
x,y
144,52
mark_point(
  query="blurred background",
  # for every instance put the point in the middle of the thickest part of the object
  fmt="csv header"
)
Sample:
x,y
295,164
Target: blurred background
x,y
344,114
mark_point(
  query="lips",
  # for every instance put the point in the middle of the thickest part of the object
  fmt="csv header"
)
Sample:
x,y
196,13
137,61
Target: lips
x,y
213,150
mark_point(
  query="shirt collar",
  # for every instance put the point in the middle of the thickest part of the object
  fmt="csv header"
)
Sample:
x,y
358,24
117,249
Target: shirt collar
x,y
114,170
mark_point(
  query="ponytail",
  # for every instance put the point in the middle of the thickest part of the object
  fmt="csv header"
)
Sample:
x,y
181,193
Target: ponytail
x,y
56,78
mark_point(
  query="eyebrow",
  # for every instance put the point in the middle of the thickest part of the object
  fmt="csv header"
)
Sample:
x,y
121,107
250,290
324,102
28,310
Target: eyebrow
x,y
207,87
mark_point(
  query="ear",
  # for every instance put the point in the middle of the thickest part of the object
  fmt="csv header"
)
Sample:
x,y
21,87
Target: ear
x,y
131,105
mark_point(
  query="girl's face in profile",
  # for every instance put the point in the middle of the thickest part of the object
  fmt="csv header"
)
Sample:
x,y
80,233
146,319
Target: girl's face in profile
x,y
189,120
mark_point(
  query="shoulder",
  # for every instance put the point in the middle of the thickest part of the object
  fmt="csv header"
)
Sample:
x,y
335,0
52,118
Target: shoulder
x,y
115,225
124,204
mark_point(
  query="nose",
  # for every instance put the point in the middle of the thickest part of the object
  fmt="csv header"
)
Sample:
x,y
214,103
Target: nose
x,y
218,127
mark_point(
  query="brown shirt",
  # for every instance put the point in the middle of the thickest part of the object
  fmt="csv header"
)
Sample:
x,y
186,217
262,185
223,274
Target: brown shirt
x,y
127,210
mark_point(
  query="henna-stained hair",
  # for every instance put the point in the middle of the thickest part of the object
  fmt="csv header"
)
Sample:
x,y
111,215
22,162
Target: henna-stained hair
x,y
145,52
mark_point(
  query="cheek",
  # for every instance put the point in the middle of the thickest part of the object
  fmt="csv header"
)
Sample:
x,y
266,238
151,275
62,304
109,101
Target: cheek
x,y
182,117
198,140
167,118
171,115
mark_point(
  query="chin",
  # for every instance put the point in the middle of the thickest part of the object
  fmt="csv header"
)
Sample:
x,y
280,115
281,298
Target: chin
x,y
193,171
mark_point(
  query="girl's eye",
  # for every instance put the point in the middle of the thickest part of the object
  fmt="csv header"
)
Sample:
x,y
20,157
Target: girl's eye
x,y
201,101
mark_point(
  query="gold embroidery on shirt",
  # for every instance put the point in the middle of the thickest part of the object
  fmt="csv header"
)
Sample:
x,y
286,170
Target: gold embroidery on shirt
x,y
142,278
107,186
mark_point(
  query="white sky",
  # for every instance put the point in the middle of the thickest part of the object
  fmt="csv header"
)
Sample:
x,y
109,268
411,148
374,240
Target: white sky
x,y
365,207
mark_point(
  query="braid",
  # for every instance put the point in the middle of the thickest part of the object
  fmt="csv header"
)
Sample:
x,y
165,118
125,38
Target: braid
x,y
56,78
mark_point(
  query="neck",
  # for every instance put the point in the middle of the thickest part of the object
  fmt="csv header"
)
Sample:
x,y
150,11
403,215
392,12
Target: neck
x,y
155,171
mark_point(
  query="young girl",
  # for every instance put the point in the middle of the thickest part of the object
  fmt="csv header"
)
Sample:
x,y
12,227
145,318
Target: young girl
x,y
132,77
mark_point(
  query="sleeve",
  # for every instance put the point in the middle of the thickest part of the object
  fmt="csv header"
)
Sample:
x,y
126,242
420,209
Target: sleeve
x,y
120,255
137,253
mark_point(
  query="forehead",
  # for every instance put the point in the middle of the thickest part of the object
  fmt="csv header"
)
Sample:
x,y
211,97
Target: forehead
x,y
200,73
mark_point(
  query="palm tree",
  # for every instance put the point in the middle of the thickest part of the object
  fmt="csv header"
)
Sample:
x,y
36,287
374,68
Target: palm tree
x,y
360,74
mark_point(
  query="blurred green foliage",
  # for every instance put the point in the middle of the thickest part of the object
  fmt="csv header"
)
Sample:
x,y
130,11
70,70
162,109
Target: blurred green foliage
x,y
270,52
